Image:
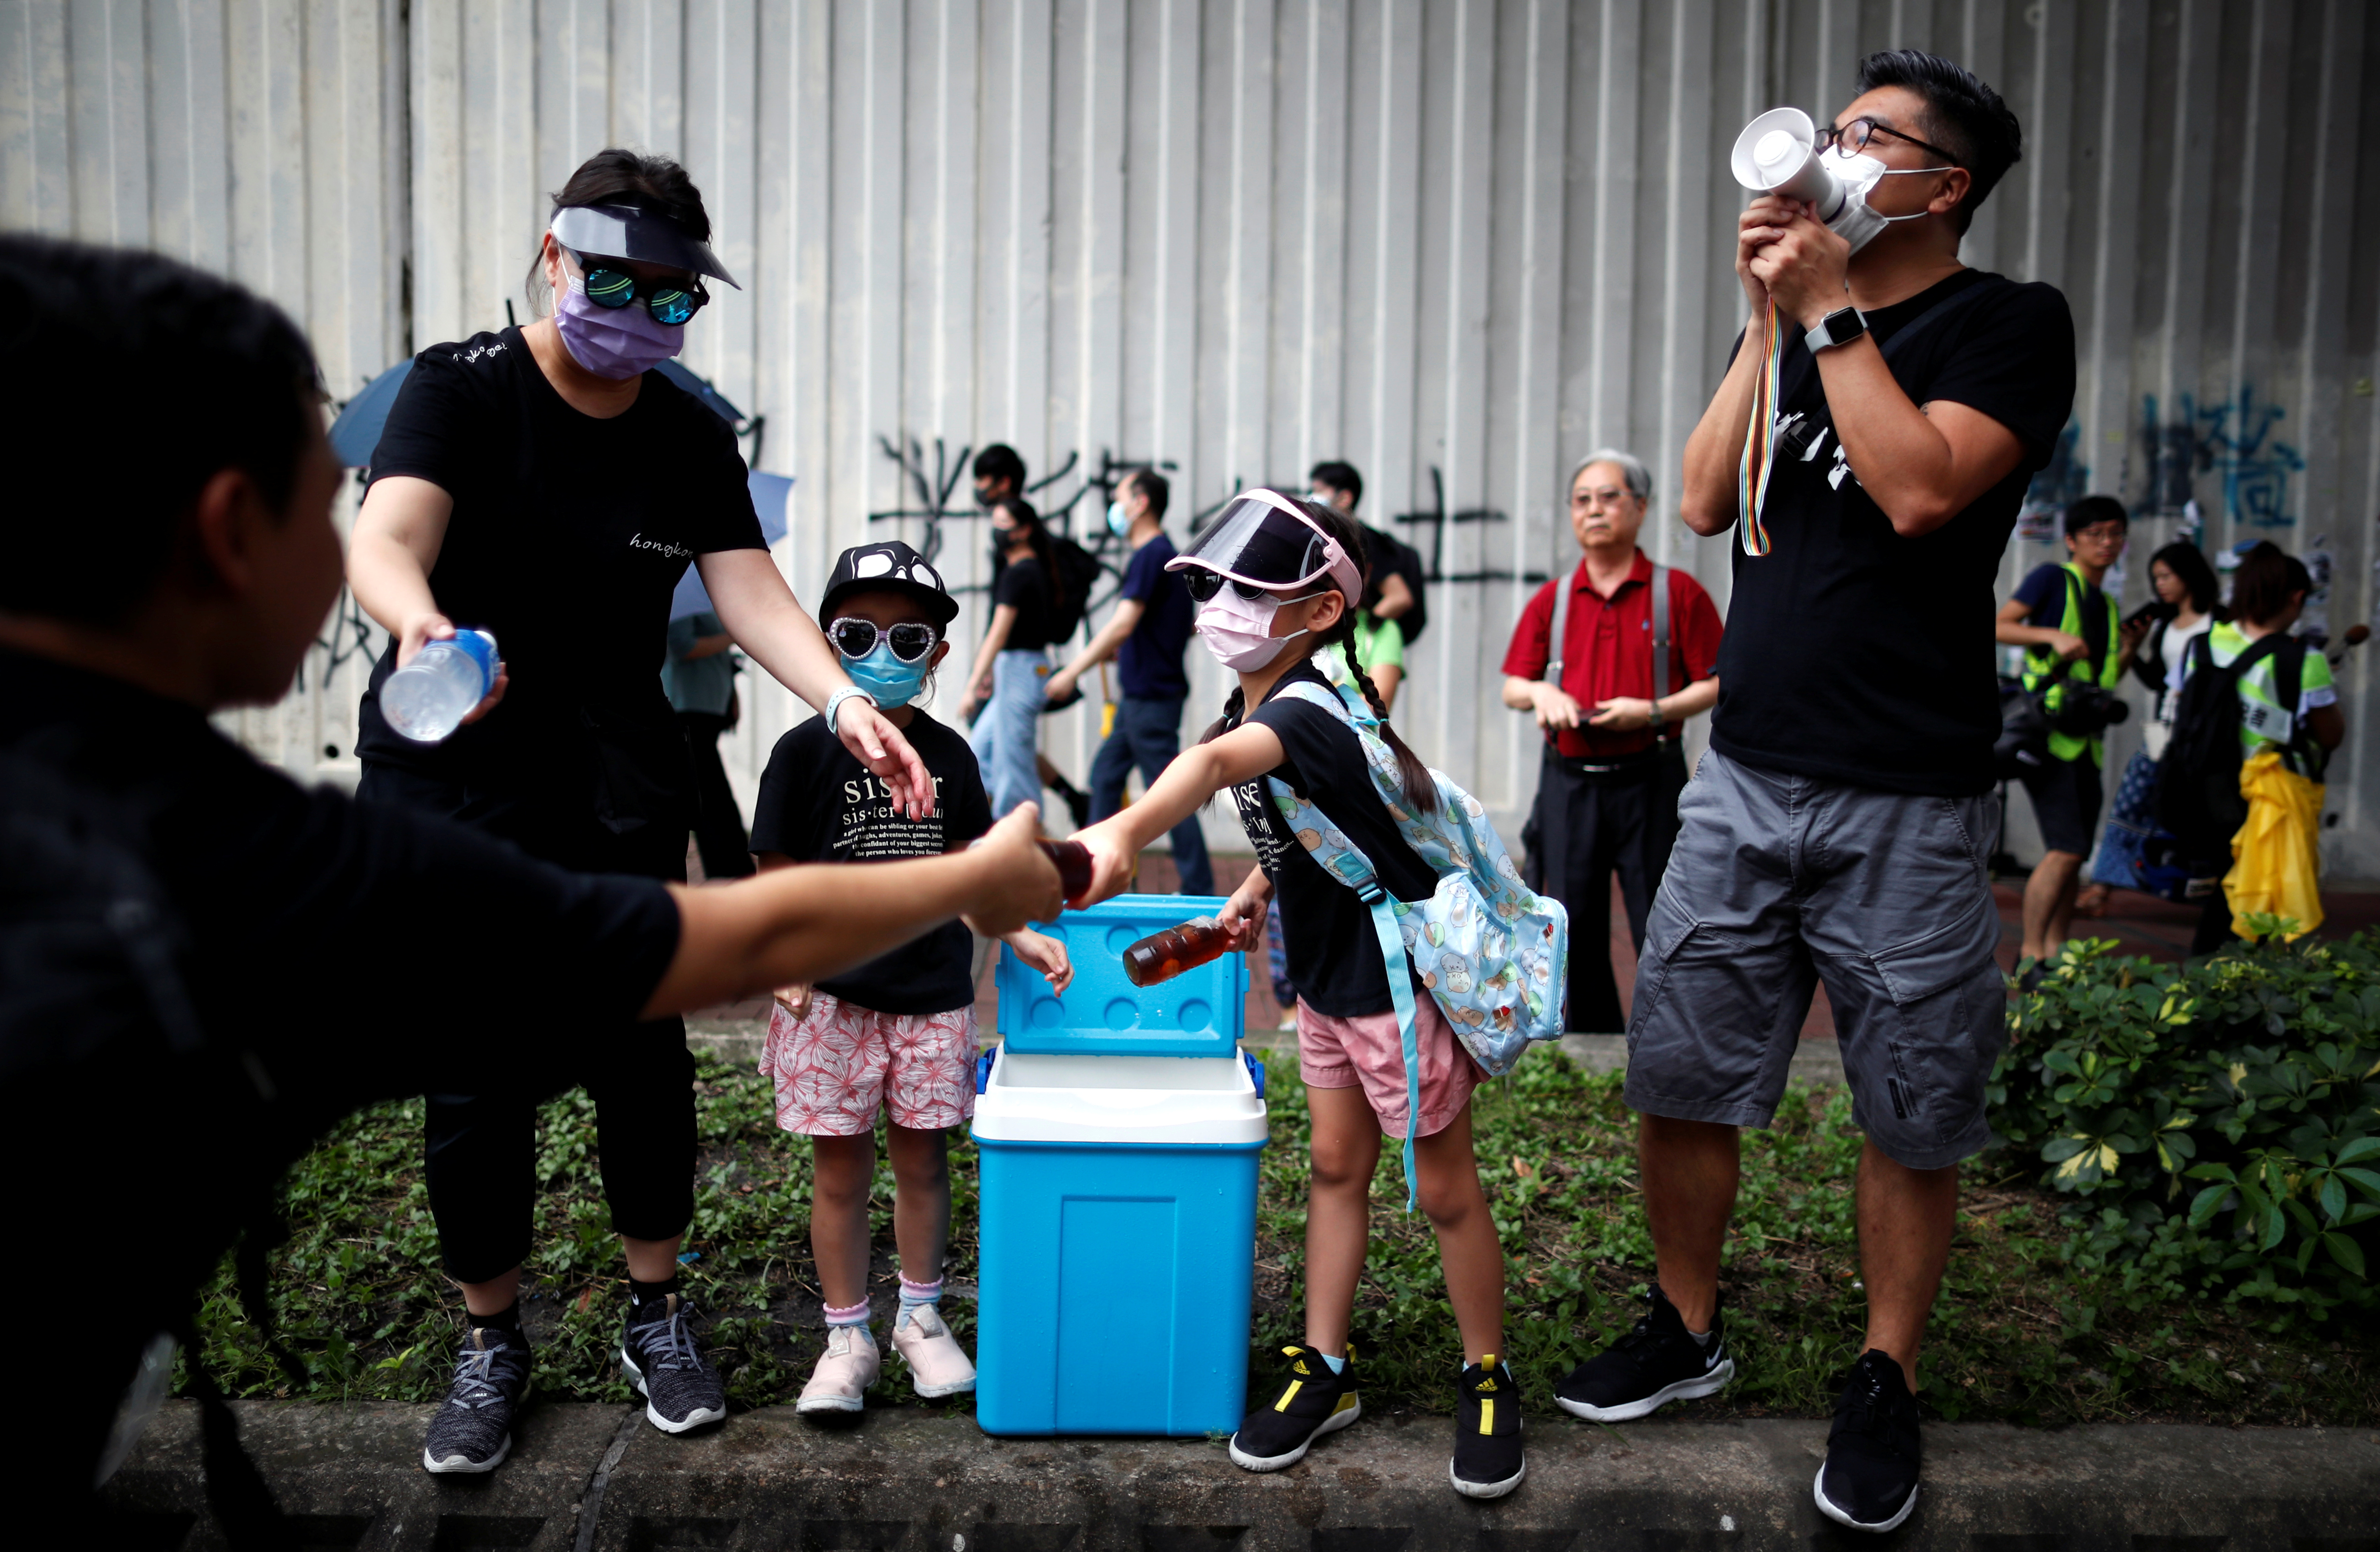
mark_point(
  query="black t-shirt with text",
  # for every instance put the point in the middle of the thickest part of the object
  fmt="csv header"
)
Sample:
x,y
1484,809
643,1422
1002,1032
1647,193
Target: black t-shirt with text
x,y
1333,949
1024,586
568,536
818,804
1854,654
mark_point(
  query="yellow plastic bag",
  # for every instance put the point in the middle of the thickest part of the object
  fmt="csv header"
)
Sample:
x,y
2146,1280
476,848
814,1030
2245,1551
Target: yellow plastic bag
x,y
2273,868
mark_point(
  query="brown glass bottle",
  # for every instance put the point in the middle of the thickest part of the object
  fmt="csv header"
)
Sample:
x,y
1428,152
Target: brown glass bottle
x,y
1073,862
1160,956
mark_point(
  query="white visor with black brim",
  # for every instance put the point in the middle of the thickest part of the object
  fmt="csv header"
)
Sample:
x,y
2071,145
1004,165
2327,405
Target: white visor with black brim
x,y
637,235
1266,541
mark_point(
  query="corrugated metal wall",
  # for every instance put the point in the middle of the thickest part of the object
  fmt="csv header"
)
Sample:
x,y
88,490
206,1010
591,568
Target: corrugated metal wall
x,y
1457,242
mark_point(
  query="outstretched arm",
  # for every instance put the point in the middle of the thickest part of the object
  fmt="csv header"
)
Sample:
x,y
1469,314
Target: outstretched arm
x,y
803,923
1195,774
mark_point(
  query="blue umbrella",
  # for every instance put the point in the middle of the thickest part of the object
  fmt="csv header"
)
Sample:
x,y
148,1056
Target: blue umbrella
x,y
768,491
356,431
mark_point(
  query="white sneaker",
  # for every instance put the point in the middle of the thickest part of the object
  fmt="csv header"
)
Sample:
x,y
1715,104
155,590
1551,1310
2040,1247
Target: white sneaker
x,y
846,1370
938,1366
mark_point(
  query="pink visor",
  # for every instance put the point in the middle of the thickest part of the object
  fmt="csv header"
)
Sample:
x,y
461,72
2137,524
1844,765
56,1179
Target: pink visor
x,y
1265,539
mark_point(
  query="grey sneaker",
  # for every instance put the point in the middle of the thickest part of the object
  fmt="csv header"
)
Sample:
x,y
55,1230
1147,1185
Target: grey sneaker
x,y
473,1431
682,1390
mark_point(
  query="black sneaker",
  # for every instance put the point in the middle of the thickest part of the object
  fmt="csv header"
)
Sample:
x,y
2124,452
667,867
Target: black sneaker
x,y
1870,1479
473,1431
681,1390
1657,1362
1487,1459
1313,1402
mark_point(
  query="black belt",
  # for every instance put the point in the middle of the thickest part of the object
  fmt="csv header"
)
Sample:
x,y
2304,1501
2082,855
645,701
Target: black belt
x,y
1588,765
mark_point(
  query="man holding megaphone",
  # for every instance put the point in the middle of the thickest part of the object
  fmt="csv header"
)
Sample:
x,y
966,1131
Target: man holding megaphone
x,y
1870,444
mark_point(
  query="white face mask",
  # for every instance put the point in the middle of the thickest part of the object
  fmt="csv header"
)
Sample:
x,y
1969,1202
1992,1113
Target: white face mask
x,y
1859,172
1239,631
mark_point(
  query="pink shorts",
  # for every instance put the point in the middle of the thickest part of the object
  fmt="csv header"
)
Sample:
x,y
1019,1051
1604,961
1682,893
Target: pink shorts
x,y
841,1064
1368,1049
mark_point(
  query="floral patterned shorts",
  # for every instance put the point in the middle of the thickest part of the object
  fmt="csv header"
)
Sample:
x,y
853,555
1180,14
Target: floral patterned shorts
x,y
841,1064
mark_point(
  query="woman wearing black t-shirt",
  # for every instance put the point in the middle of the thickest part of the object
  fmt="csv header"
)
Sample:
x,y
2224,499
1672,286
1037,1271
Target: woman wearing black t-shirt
x,y
543,483
1012,664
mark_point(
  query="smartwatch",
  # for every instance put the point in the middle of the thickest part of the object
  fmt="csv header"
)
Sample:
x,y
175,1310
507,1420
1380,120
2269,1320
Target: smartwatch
x,y
1839,327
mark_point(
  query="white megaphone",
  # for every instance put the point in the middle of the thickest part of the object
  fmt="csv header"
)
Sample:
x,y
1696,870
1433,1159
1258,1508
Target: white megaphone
x,y
1778,153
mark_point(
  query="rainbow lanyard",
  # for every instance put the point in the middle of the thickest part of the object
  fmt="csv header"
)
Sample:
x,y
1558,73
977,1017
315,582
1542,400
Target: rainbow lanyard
x,y
1760,441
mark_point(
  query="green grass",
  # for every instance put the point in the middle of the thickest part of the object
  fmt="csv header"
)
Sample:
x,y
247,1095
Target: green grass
x,y
2019,1335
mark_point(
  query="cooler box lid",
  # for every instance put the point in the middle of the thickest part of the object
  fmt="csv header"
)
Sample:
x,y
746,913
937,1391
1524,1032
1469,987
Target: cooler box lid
x,y
1150,1101
1199,1013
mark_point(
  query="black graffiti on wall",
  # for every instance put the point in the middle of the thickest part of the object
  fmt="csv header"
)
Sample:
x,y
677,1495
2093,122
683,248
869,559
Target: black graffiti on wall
x,y
943,494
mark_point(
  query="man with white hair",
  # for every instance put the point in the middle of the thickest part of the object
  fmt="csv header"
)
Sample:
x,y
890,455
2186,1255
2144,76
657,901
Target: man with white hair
x,y
1639,646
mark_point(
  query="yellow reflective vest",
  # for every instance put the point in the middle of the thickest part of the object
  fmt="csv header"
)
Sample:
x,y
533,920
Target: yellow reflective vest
x,y
2042,667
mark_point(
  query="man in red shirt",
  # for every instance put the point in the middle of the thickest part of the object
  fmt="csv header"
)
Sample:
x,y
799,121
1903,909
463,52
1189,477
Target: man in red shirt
x,y
1607,790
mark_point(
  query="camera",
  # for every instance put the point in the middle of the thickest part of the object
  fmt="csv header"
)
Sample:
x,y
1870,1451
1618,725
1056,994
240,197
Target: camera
x,y
2085,710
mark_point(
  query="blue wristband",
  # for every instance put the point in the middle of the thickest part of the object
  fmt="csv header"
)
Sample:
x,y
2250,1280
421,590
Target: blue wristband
x,y
834,703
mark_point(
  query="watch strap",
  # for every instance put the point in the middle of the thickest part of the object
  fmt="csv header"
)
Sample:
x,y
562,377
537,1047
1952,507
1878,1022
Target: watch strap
x,y
834,703
1823,335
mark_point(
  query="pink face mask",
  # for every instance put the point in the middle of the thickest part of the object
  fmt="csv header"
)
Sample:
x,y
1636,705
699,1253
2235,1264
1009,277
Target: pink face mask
x,y
616,343
1239,631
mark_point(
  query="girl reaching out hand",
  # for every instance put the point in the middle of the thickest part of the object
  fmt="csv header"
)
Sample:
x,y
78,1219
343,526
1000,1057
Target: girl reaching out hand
x,y
1277,579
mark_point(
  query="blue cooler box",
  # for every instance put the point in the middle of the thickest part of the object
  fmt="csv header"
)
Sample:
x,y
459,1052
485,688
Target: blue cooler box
x,y
1198,1012
1119,1192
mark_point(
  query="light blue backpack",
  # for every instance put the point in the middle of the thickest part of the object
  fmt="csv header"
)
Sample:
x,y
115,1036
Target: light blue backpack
x,y
1494,955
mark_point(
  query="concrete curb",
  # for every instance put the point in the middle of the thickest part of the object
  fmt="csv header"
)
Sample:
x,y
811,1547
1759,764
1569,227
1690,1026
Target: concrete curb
x,y
905,1480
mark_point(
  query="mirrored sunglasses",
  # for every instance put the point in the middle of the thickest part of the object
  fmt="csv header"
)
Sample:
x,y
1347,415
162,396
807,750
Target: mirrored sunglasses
x,y
857,638
669,301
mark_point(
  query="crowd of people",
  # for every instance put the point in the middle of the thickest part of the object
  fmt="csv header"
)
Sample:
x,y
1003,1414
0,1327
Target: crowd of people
x,y
180,911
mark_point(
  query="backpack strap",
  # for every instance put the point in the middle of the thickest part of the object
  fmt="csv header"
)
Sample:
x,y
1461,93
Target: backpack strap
x,y
1564,586
2302,754
1660,633
1345,861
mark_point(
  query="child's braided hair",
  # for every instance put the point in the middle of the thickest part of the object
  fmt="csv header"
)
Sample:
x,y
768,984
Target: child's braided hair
x,y
1420,787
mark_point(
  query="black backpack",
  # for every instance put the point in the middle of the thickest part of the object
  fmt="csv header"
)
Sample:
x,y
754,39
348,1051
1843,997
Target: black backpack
x,y
1391,554
1078,573
2198,796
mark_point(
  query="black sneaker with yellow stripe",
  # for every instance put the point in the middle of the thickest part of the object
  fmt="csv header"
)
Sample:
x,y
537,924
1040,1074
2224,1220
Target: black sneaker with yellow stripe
x,y
1487,1461
1312,1402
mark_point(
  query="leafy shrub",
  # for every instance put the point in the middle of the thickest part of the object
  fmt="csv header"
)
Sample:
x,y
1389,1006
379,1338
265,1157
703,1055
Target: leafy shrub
x,y
2218,1117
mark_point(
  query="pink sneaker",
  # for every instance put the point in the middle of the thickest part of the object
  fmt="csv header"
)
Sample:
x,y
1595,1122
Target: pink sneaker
x,y
846,1370
937,1365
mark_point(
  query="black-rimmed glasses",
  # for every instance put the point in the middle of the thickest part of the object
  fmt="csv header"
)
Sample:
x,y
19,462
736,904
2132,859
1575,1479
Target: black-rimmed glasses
x,y
1204,584
1854,136
857,638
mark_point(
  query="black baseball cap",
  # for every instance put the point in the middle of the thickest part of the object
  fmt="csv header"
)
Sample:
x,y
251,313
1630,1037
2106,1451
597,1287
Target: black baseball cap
x,y
889,566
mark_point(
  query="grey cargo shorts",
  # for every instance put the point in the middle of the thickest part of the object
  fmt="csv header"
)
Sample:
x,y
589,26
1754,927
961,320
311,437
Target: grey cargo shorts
x,y
1779,881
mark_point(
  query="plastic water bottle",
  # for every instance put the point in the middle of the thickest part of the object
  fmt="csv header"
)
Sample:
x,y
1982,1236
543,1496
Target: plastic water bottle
x,y
1160,956
428,698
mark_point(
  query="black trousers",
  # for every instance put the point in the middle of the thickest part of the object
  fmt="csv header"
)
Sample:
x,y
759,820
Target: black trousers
x,y
1587,825
480,1149
718,830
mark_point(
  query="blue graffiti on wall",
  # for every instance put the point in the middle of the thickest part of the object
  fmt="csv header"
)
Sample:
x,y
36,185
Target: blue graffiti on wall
x,y
2065,478
2233,439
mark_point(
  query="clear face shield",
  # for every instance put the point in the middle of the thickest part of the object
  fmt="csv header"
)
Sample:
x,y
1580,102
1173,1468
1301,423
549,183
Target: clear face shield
x,y
1264,542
